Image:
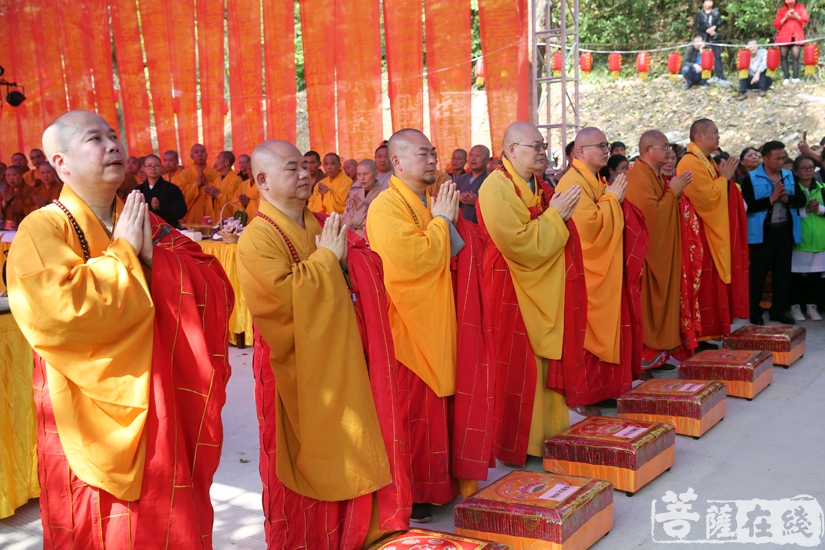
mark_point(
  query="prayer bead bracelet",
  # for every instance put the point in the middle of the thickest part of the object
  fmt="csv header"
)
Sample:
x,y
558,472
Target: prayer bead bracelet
x,y
80,235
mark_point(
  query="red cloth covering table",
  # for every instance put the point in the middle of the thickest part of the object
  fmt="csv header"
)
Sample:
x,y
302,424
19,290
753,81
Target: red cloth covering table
x,y
423,539
627,453
786,343
691,406
539,511
240,323
745,373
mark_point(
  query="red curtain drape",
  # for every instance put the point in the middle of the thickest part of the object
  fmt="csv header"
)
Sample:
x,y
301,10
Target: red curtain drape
x,y
133,95
504,44
245,80
9,143
358,78
46,37
180,18
74,44
211,63
23,70
318,28
279,57
404,35
156,40
449,76
100,47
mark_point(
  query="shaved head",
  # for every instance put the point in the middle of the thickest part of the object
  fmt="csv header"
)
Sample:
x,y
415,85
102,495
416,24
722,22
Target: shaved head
x,y
653,149
367,163
412,157
700,127
350,168
651,138
524,147
592,148
365,172
705,135
280,173
86,154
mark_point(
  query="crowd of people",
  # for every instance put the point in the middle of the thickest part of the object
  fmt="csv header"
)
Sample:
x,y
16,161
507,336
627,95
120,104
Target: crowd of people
x,y
789,23
413,325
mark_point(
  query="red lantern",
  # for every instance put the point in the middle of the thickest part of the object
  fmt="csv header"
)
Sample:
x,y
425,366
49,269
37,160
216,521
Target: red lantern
x,y
743,63
614,63
556,62
480,72
707,64
810,57
772,62
674,64
643,64
586,62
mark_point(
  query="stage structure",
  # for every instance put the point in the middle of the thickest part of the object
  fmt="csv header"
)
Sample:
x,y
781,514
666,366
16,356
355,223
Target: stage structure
x,y
555,108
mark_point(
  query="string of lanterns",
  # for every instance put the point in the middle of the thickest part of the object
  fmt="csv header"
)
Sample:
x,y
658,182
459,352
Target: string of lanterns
x,y
810,58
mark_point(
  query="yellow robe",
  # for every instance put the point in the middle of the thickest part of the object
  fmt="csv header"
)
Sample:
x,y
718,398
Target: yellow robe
x,y
228,186
327,423
534,252
440,177
708,193
600,222
30,177
334,200
198,203
92,322
415,249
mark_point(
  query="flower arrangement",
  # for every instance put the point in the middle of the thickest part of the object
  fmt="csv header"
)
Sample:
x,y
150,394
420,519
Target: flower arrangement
x,y
229,229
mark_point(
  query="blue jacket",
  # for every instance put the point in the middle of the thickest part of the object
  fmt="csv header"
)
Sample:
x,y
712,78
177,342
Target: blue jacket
x,y
762,189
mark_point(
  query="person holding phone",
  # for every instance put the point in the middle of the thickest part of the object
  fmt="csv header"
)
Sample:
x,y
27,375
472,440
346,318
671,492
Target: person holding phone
x,y
790,22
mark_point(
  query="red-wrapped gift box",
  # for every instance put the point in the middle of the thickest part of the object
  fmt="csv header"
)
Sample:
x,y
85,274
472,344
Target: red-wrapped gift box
x,y
423,539
786,343
691,406
627,453
539,510
745,373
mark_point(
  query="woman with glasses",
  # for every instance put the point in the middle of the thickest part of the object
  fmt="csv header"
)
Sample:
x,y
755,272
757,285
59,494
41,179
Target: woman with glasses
x,y
808,261
164,198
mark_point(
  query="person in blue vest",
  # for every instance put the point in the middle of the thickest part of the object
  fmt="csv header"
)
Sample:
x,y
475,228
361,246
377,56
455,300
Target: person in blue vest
x,y
772,197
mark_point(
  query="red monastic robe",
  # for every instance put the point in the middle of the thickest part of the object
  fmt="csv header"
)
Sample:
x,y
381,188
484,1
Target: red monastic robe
x,y
190,368
515,372
296,521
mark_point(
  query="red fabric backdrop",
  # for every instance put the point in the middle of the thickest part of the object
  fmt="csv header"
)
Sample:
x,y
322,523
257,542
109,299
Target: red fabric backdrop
x,y
75,45
505,46
449,75
358,78
156,42
245,83
46,33
23,70
180,18
101,53
211,64
318,29
9,144
405,62
279,57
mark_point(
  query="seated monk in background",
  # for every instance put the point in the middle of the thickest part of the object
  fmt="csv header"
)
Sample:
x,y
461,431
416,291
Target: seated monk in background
x,y
171,165
15,199
723,292
331,192
227,188
538,346
37,157
197,184
432,262
665,307
128,322
331,427
610,342
361,195
47,188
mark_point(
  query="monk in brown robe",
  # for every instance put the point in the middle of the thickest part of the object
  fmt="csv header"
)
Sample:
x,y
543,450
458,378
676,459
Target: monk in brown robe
x,y
16,199
47,187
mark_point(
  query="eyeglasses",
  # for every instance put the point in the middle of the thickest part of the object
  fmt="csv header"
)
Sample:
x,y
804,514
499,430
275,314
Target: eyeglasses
x,y
663,147
811,167
534,146
602,146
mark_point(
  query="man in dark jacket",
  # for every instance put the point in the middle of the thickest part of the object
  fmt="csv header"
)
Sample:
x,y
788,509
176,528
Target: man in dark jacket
x,y
708,21
164,198
692,63
773,197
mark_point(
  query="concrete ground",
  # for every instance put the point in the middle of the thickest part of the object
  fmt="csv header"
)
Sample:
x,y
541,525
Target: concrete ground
x,y
770,448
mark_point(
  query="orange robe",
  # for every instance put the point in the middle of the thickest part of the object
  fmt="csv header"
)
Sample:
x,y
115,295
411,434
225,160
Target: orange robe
x,y
440,177
335,199
599,219
48,194
30,177
130,183
130,374
21,205
723,229
198,203
534,251
334,455
662,275
415,250
229,187
249,189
